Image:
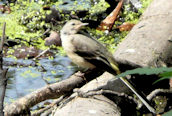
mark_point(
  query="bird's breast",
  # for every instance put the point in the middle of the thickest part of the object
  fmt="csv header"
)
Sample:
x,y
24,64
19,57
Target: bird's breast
x,y
70,51
80,61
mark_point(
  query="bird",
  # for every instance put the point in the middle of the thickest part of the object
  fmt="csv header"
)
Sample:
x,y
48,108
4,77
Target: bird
x,y
89,53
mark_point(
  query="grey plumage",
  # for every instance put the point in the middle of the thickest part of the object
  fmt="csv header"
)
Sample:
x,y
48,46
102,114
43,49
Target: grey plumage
x,y
85,51
89,53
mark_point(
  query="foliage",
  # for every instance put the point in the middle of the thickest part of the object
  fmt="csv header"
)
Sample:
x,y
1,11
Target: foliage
x,y
25,23
110,40
99,7
129,15
73,5
145,4
132,16
164,72
166,75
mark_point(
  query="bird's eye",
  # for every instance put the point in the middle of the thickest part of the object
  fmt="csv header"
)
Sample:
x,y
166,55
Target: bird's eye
x,y
73,23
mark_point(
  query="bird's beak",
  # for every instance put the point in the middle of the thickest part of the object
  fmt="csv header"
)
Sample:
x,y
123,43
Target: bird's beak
x,y
81,25
84,24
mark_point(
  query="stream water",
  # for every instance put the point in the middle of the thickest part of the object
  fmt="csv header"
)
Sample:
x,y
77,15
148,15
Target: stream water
x,y
23,80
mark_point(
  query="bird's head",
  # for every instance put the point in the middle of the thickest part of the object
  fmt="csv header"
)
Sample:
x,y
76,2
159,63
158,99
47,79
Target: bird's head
x,y
72,27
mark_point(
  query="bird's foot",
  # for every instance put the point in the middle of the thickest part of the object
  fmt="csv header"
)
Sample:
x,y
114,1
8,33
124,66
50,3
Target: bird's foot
x,y
79,74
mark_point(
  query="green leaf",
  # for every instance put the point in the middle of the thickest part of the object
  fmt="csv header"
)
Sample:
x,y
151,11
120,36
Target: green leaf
x,y
147,71
165,75
168,113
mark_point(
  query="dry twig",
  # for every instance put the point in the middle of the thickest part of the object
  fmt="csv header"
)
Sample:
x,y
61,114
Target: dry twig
x,y
3,72
158,91
56,102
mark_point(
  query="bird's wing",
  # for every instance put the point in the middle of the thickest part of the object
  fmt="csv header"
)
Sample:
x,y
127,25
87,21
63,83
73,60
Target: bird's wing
x,y
93,51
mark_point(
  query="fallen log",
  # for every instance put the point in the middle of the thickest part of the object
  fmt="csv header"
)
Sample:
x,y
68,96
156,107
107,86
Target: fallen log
x,y
90,106
148,45
98,105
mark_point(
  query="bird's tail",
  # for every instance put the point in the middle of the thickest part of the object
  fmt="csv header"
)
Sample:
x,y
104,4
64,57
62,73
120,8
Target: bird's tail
x,y
129,85
115,68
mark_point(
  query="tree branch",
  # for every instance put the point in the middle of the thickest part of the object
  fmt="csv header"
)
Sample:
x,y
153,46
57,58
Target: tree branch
x,y
3,72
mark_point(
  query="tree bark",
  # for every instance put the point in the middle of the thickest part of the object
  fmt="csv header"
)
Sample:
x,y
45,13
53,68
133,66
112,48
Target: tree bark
x,y
3,72
98,105
148,43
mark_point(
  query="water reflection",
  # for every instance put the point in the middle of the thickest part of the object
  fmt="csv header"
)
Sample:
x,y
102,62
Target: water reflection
x,y
74,4
23,80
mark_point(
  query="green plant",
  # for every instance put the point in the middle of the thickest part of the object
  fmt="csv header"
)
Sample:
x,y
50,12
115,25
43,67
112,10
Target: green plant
x,y
163,72
15,28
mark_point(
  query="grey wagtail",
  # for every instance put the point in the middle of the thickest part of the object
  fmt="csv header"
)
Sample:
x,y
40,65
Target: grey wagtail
x,y
88,53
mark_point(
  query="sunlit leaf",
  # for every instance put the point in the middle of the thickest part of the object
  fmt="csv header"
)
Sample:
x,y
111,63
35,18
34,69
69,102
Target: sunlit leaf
x,y
147,71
